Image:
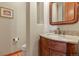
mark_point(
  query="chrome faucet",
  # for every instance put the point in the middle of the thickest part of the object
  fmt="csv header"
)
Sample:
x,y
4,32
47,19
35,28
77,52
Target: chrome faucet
x,y
58,31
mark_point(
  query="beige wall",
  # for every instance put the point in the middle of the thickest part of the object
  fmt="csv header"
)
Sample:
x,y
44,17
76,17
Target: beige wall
x,y
71,27
12,28
28,27
47,26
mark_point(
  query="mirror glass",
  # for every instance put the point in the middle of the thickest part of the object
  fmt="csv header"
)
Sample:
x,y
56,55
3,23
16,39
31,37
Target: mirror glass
x,y
58,12
62,12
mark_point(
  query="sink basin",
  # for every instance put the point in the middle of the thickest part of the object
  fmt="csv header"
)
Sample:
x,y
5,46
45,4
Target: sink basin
x,y
53,36
62,36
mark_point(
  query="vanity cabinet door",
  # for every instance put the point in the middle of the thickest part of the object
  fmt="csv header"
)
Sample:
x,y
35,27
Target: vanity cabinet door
x,y
44,50
44,42
71,49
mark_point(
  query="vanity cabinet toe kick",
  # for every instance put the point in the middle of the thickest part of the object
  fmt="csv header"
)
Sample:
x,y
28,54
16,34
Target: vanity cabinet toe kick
x,y
48,47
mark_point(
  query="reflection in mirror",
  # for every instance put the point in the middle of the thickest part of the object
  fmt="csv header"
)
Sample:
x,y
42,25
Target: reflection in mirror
x,y
57,12
60,11
63,13
54,12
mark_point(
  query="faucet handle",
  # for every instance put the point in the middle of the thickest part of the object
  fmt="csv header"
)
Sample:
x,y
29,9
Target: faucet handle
x,y
58,30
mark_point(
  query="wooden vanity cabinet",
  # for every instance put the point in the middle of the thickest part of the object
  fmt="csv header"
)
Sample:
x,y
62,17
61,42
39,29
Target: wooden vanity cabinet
x,y
48,47
72,49
56,53
57,48
44,48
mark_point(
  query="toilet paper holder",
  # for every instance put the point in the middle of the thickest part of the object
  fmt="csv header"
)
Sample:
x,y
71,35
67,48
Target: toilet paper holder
x,y
15,39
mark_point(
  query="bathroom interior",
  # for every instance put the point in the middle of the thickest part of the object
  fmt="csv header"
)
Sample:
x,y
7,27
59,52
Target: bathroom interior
x,y
39,28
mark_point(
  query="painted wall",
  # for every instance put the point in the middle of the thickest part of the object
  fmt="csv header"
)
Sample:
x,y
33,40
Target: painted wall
x,y
28,27
47,26
71,27
12,28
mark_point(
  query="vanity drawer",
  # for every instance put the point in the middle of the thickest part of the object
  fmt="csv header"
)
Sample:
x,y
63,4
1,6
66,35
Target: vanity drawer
x,y
57,45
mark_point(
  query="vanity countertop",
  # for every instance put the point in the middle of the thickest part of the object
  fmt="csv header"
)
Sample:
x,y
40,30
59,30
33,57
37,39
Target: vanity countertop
x,y
64,38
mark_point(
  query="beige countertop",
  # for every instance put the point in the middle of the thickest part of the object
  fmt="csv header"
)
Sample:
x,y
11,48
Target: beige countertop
x,y
59,37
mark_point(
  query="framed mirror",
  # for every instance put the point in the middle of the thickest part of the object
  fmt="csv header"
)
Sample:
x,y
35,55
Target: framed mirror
x,y
61,13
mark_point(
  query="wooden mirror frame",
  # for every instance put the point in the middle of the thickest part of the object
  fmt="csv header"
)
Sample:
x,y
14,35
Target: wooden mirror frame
x,y
64,22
